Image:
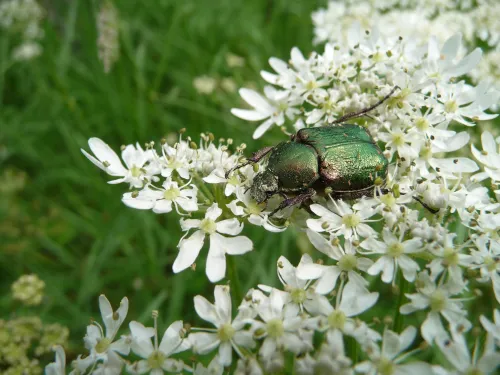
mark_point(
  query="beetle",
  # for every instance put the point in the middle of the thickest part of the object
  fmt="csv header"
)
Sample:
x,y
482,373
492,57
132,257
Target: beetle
x,y
343,158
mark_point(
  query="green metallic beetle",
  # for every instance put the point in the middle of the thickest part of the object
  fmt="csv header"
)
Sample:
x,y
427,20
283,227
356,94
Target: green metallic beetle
x,y
343,158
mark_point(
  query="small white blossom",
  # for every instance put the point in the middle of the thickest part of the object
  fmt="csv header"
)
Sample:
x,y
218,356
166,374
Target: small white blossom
x,y
389,359
438,299
220,245
228,335
156,358
135,159
347,259
280,326
458,355
161,200
342,220
394,253
102,345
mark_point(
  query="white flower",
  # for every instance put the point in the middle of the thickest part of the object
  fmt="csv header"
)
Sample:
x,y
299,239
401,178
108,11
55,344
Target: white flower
x,y
178,158
156,358
135,159
486,258
439,301
351,301
228,335
342,220
59,366
442,64
393,255
460,101
254,212
274,108
329,359
493,328
449,257
297,291
327,276
280,326
101,345
160,200
489,157
220,245
387,360
397,140
213,368
457,353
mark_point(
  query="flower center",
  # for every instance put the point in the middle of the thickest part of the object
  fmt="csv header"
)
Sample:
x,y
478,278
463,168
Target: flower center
x,y
385,367
171,193
490,263
351,220
311,85
438,301
275,328
173,163
283,106
337,320
425,153
451,106
102,345
208,226
348,262
225,332
450,257
156,359
135,171
253,209
378,56
233,180
422,124
395,250
398,139
298,295
388,200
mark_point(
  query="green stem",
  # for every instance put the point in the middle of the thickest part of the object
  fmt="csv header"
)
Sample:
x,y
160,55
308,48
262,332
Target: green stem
x,y
234,280
202,186
398,317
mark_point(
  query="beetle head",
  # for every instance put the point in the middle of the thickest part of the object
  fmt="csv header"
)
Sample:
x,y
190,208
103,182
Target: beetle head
x,y
264,185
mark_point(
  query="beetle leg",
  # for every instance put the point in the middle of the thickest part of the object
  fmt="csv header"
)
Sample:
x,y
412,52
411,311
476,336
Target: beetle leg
x,y
426,206
256,157
304,196
365,110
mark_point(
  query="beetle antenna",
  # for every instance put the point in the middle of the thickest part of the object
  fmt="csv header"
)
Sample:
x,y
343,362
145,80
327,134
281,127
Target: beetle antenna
x,y
256,157
365,110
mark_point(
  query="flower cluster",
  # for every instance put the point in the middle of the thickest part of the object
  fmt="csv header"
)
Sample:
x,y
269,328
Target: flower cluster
x,y
28,289
188,178
428,230
303,321
418,21
25,341
22,18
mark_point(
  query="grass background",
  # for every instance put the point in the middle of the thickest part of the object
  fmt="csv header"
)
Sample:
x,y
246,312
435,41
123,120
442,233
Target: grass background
x,y
67,225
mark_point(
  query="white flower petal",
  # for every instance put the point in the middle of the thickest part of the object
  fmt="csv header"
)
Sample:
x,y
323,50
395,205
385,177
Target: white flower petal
x,y
216,259
229,226
189,248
